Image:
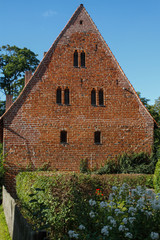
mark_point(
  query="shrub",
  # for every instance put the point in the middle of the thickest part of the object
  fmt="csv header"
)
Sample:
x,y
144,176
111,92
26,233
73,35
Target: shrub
x,y
156,177
130,163
84,166
2,170
128,214
56,201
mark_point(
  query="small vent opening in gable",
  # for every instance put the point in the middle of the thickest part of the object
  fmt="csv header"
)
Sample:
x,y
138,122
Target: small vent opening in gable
x,y
81,22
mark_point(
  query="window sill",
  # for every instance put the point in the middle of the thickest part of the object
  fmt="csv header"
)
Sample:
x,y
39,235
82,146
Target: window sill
x,y
64,143
97,143
60,104
80,67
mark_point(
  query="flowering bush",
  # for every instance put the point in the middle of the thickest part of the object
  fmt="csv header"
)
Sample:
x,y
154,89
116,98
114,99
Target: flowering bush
x,y
128,214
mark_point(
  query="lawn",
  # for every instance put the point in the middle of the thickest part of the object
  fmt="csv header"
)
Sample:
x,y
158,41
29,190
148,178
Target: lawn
x,y
4,234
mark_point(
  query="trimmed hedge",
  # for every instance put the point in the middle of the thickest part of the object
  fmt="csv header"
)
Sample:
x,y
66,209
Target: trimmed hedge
x,y
2,170
156,177
57,201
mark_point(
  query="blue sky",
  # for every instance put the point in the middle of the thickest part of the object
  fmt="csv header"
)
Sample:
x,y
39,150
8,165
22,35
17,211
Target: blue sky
x,y
131,28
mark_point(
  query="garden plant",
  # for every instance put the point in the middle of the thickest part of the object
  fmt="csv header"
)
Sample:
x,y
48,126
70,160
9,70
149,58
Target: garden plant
x,y
128,214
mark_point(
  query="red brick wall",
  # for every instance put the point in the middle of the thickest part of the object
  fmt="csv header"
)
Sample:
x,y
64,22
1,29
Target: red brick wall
x,y
32,126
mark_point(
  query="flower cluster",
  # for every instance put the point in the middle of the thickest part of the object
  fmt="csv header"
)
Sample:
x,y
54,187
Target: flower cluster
x,y
128,214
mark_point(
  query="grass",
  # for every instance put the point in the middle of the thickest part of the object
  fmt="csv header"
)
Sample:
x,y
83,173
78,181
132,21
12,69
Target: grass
x,y
4,234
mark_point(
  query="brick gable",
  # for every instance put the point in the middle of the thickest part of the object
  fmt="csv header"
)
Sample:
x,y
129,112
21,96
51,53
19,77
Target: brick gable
x,y
32,126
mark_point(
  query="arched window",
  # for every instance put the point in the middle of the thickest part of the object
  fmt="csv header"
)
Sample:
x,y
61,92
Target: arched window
x,y
97,137
93,97
101,99
63,137
75,63
66,96
59,96
82,59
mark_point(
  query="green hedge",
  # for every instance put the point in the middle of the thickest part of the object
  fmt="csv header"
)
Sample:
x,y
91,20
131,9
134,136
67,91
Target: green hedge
x,y
57,201
156,177
2,170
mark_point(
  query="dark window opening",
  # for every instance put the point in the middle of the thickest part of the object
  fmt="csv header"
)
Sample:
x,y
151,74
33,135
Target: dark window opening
x,y
93,97
58,96
63,137
81,22
83,59
75,59
101,99
66,96
97,137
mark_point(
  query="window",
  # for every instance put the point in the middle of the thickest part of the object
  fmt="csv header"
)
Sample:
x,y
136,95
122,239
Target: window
x,y
66,96
58,96
81,22
83,59
93,97
101,100
63,137
97,137
75,59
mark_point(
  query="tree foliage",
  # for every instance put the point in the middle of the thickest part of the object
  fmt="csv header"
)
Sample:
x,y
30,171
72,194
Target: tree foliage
x,y
14,62
154,110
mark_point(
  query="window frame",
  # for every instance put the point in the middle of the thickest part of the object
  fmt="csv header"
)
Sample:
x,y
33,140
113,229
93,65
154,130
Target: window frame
x,y
59,96
93,97
99,142
83,59
101,97
75,58
66,96
63,137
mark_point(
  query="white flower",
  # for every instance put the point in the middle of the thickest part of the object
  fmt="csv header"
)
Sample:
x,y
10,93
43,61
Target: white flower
x,y
105,231
148,213
103,204
110,218
132,210
117,211
92,202
113,222
114,188
125,220
72,234
155,204
81,227
131,219
133,192
129,235
154,235
121,228
111,195
111,204
92,214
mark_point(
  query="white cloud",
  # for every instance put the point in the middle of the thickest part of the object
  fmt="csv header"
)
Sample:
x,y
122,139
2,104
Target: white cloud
x,y
49,13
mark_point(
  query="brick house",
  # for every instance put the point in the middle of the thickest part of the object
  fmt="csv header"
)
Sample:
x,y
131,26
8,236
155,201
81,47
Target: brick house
x,y
78,104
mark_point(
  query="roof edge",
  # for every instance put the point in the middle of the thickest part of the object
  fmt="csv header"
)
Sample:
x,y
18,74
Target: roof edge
x,y
48,55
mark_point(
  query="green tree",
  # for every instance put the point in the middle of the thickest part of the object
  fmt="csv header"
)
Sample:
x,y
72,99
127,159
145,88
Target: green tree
x,y
14,62
154,110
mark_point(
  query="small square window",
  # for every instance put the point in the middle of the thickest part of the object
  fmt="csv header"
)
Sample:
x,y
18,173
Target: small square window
x,y
97,137
63,137
81,22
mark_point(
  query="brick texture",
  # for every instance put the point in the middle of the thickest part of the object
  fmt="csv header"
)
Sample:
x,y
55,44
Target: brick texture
x,y
32,125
